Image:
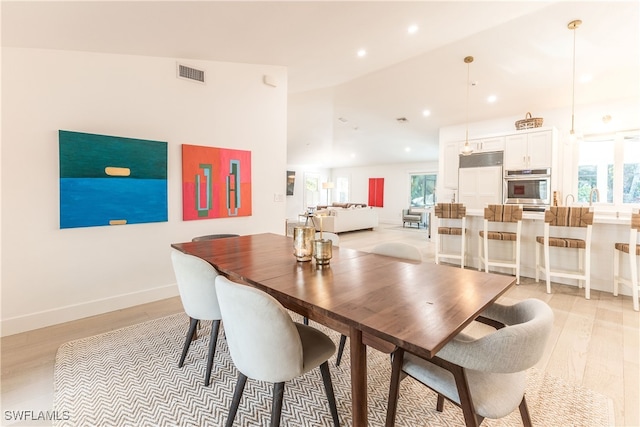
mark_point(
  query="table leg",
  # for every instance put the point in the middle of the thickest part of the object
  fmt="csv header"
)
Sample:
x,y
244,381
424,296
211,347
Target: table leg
x,y
358,378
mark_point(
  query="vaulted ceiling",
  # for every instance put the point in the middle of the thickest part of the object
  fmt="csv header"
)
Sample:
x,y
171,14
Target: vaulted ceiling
x,y
344,109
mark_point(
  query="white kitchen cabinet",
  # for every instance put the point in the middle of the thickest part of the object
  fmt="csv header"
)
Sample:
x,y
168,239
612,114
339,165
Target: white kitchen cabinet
x,y
528,150
484,145
452,153
480,186
450,165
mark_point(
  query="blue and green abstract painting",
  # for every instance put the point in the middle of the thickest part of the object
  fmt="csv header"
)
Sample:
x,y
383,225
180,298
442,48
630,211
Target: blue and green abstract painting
x,y
109,180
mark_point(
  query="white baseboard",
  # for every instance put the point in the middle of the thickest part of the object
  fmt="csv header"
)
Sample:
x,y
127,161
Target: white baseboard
x,y
41,319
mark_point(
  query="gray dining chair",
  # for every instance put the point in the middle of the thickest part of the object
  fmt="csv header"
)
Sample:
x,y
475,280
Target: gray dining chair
x,y
392,249
266,345
196,284
485,376
213,236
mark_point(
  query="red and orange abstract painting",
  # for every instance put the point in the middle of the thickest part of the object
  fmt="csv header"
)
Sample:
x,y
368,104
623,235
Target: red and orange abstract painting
x,y
216,182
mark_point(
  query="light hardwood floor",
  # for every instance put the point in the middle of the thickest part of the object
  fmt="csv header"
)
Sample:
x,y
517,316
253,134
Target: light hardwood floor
x,y
594,343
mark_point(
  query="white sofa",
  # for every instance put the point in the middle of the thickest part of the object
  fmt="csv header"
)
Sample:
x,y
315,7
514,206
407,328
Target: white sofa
x,y
339,220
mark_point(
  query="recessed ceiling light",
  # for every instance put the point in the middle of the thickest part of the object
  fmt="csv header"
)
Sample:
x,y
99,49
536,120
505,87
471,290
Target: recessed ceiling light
x,y
426,113
412,29
492,98
362,53
586,78
353,155
407,149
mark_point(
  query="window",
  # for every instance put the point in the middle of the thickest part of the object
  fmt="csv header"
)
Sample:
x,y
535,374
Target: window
x,y
609,164
311,190
342,189
422,190
631,169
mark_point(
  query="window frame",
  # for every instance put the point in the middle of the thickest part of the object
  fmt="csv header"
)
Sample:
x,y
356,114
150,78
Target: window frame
x,y
435,184
618,139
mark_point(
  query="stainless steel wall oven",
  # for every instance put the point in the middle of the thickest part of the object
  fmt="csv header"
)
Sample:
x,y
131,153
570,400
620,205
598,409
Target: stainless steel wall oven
x,y
530,188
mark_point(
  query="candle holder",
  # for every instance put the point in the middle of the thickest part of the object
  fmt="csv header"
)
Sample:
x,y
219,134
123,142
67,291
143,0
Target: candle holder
x,y
322,251
303,236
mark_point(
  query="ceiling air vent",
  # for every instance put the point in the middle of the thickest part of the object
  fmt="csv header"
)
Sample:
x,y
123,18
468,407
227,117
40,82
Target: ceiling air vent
x,y
190,73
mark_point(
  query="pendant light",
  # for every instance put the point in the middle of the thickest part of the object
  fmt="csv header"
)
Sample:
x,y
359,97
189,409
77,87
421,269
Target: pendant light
x,y
466,149
573,25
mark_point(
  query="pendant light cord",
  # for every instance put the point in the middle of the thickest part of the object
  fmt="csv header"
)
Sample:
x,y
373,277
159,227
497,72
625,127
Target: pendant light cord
x,y
573,89
573,26
467,120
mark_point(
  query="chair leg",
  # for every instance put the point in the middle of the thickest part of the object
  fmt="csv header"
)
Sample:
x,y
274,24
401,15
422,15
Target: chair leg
x,y
213,339
524,413
537,262
466,402
616,271
462,248
276,406
480,260
394,387
328,387
581,270
237,395
633,265
485,244
193,324
547,268
440,403
587,273
343,342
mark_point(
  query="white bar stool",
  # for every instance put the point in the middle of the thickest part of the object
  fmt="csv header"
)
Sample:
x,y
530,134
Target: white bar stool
x,y
634,256
501,217
448,214
564,219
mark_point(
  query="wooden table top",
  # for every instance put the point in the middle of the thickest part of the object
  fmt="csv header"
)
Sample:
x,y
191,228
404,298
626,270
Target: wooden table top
x,y
416,306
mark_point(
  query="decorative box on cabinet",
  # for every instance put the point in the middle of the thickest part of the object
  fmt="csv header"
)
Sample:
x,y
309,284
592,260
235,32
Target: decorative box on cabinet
x,y
528,150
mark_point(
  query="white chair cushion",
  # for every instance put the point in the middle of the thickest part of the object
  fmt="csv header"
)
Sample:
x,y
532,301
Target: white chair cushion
x,y
494,395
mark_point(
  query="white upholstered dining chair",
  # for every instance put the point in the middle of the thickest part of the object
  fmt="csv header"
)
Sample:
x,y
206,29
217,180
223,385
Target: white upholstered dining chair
x,y
196,284
392,249
266,345
485,376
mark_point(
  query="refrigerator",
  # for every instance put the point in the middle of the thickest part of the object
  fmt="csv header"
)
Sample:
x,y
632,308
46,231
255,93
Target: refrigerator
x,y
480,179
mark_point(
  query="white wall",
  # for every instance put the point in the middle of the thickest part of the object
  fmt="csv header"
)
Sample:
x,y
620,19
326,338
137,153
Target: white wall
x,y
396,186
51,275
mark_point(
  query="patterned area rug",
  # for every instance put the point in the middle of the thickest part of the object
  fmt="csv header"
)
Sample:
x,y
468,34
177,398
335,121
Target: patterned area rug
x,y
130,377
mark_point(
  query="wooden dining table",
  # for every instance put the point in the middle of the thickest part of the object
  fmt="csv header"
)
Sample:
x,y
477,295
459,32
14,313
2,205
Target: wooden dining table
x,y
374,299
